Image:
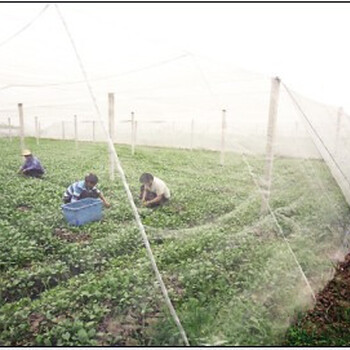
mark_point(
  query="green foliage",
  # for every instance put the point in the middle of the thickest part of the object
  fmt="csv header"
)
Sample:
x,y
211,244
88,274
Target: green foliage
x,y
227,268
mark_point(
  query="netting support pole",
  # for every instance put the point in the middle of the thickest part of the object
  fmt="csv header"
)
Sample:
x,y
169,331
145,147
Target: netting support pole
x,y
135,133
63,131
10,129
271,131
192,131
127,189
37,130
337,132
93,130
76,131
132,133
223,132
173,135
111,133
21,125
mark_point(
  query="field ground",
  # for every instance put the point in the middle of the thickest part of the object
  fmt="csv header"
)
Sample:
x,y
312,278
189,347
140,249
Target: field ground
x,y
227,268
328,323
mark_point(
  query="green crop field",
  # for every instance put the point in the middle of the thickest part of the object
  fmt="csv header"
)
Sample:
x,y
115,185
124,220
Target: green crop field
x,y
227,268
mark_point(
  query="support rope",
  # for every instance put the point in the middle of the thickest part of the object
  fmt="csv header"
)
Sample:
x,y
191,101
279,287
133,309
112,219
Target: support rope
x,y
278,225
107,77
270,210
25,27
316,133
126,187
280,229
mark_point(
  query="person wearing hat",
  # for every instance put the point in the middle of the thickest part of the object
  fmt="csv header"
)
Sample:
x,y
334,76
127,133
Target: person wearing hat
x,y
84,189
31,166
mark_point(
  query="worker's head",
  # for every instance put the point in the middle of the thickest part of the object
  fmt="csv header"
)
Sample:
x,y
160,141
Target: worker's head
x,y
26,153
91,180
146,179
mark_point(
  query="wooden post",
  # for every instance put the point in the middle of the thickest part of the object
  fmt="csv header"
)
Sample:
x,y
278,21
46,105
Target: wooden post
x,y
21,125
132,133
174,134
111,133
63,131
135,133
37,130
76,131
223,132
10,129
192,131
93,131
337,132
266,186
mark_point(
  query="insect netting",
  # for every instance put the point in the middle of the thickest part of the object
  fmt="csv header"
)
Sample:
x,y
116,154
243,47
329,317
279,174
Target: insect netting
x,y
258,214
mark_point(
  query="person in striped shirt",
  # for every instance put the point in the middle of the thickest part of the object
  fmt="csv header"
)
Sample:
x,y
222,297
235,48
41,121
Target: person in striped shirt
x,y
84,189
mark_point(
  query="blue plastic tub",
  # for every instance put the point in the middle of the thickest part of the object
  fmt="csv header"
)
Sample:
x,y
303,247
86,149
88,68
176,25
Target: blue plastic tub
x,y
83,211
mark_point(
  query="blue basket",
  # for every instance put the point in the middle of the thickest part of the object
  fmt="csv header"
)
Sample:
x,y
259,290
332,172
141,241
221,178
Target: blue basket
x,y
83,211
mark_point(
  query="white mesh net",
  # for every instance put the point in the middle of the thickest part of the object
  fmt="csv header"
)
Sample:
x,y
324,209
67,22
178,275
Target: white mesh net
x,y
251,232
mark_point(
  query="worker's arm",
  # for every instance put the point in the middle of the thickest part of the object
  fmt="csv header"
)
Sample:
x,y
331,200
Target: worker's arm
x,y
27,165
30,165
21,169
154,200
104,200
145,189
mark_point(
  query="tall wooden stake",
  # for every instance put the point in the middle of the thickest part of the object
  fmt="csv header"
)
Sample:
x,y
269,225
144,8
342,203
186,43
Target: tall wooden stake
x,y
111,133
37,130
266,187
337,132
223,132
21,125
132,133
93,130
76,131
63,131
192,131
10,129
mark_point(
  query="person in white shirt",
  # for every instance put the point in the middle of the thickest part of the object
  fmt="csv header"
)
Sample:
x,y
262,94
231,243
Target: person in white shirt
x,y
154,191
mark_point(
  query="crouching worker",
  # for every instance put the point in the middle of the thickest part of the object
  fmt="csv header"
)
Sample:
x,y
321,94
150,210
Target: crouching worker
x,y
154,191
31,166
84,189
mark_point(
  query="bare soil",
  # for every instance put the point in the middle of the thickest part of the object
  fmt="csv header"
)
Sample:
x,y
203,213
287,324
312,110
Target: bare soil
x,y
328,323
71,237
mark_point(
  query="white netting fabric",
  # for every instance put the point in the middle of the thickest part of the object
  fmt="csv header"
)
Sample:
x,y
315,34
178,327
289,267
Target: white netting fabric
x,y
237,273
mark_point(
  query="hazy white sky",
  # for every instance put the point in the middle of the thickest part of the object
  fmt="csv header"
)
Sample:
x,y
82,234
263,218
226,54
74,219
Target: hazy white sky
x,y
305,44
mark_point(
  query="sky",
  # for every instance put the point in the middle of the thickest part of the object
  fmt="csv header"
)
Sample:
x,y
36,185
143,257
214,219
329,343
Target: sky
x,y
306,45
